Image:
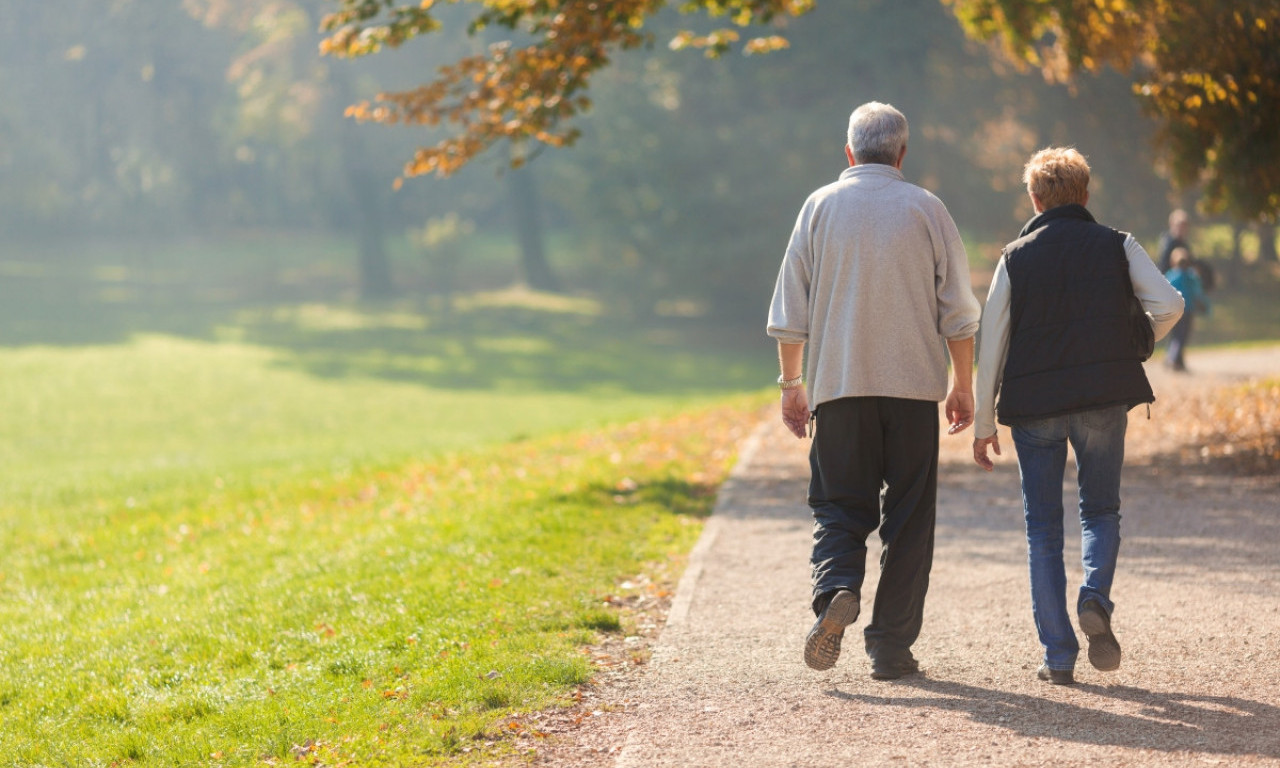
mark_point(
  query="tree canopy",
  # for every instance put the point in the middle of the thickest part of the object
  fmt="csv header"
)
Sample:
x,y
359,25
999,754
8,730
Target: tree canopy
x,y
149,120
522,92
1209,71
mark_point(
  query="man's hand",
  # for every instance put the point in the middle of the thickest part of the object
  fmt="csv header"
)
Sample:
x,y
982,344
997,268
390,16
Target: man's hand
x,y
795,409
959,411
980,451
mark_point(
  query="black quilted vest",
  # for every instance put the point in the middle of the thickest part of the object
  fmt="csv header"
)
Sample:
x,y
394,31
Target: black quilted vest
x,y
1069,337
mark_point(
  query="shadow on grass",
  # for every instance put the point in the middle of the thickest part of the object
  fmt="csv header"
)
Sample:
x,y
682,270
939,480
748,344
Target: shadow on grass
x,y
480,347
1171,721
515,348
672,494
86,312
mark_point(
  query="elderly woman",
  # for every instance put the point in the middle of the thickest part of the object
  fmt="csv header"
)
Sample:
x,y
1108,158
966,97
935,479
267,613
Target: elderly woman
x,y
1055,343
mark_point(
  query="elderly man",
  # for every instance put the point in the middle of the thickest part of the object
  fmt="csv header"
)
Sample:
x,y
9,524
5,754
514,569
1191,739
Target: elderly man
x,y
1056,343
876,283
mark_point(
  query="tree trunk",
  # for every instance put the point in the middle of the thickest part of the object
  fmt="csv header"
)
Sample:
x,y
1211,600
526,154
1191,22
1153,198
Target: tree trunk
x,y
375,267
369,192
522,196
1267,243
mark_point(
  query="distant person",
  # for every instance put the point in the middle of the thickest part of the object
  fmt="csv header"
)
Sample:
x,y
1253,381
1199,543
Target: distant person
x,y
1056,345
1176,237
1183,277
1173,237
876,282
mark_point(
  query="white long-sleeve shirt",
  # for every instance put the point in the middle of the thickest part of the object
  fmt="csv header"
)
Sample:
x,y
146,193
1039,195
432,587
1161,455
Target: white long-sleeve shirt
x,y
1161,301
875,280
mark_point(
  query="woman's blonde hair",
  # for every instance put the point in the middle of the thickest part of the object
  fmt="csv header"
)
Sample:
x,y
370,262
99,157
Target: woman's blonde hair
x,y
1057,176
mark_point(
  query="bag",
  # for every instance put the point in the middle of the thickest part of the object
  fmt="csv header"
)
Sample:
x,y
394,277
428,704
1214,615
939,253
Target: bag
x,y
1143,336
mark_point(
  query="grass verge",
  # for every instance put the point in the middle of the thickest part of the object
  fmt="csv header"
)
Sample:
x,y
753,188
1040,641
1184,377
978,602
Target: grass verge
x,y
254,534
392,618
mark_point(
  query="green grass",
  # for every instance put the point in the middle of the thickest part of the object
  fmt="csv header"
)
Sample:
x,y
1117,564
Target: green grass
x,y
93,427
1248,313
393,618
246,531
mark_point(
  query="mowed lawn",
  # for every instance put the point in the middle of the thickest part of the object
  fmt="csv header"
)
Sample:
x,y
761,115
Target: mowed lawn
x,y
338,537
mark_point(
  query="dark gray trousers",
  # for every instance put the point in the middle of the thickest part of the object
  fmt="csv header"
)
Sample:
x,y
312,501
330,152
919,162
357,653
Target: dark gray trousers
x,y
874,463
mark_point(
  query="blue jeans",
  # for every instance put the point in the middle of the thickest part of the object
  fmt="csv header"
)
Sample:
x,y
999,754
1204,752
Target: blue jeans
x,y
1097,436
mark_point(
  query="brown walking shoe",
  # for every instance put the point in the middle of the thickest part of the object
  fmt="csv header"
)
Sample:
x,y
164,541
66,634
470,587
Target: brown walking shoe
x,y
1055,676
892,669
1104,649
822,646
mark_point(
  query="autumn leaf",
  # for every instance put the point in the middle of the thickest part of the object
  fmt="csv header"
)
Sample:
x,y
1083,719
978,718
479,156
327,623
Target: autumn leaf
x,y
527,94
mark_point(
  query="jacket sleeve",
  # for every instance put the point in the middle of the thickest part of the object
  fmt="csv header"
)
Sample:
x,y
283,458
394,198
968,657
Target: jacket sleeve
x,y
993,349
1160,299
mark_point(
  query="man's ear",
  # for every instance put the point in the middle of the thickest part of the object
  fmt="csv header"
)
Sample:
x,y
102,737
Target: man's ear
x,y
848,152
901,156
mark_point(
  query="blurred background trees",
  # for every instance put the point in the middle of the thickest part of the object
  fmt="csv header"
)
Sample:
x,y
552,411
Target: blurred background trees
x,y
215,122
717,155
1208,71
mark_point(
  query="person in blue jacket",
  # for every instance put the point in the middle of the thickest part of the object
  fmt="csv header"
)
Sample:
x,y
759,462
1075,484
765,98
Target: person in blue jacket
x,y
1183,277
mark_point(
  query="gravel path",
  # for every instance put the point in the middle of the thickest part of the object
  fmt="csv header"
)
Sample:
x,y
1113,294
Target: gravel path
x,y
1197,616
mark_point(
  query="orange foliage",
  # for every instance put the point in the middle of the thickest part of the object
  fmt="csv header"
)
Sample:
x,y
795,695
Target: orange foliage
x,y
1207,70
526,93
1235,429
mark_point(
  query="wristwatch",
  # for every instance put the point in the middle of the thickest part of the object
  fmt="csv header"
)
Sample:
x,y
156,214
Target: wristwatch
x,y
790,383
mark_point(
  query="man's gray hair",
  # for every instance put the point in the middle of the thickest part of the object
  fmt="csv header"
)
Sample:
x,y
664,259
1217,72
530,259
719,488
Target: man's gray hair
x,y
877,133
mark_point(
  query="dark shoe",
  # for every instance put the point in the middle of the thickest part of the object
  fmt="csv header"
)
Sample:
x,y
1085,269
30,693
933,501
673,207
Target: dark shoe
x,y
822,646
892,670
1104,649
1056,676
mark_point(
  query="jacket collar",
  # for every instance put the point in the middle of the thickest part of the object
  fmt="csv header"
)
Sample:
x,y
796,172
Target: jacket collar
x,y
872,169
1071,211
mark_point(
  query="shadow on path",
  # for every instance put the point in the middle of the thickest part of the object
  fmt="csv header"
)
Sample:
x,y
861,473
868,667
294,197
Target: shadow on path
x,y
1167,721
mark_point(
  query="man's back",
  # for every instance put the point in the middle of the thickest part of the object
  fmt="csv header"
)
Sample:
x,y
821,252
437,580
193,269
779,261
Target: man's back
x,y
875,278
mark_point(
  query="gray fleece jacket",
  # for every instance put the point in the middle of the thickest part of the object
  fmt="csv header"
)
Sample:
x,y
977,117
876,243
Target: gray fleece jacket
x,y
874,281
